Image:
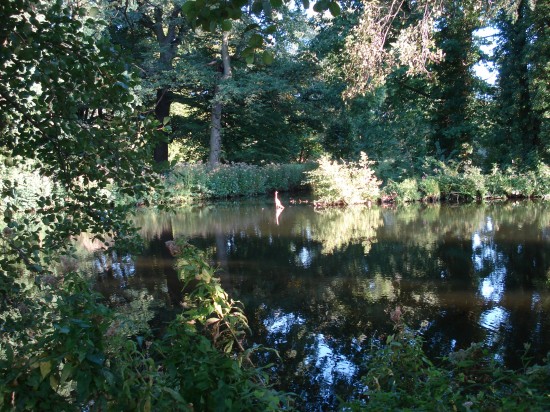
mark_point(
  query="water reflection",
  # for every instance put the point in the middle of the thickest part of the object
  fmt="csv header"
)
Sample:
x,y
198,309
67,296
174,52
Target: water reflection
x,y
317,285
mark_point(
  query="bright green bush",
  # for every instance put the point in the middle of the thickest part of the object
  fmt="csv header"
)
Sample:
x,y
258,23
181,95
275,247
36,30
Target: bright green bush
x,y
498,183
468,185
542,176
405,191
429,188
344,182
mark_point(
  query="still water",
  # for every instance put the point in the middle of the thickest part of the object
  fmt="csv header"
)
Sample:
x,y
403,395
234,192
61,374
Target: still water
x,y
319,284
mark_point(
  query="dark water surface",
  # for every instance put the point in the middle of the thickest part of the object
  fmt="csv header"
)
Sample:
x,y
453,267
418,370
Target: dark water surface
x,y
318,285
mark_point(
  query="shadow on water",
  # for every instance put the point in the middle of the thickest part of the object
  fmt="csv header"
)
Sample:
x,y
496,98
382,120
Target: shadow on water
x,y
318,285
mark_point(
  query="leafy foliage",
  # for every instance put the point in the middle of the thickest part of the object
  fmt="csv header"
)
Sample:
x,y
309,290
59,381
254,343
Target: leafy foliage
x,y
68,116
78,354
401,377
188,181
344,182
76,155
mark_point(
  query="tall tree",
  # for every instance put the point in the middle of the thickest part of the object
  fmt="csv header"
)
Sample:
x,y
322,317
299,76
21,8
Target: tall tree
x,y
159,28
520,56
217,105
454,89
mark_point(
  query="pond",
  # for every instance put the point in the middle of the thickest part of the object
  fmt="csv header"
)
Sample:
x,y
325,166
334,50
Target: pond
x,y
318,285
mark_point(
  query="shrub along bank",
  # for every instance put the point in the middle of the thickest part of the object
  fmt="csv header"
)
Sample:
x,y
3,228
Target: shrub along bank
x,y
353,182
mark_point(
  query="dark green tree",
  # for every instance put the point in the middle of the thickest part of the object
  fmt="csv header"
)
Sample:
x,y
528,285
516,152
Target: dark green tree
x,y
454,128
522,84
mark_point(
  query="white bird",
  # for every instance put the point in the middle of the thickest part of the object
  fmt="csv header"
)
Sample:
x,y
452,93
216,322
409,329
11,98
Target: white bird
x,y
278,203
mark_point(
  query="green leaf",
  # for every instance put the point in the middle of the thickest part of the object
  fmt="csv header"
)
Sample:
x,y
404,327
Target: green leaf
x,y
251,27
66,373
276,3
334,9
97,359
45,368
174,394
226,25
94,11
305,3
256,41
247,52
267,57
320,6
257,7
271,29
250,59
188,7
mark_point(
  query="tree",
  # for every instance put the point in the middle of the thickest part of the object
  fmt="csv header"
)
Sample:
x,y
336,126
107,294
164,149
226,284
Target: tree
x,y
454,89
159,29
69,115
522,83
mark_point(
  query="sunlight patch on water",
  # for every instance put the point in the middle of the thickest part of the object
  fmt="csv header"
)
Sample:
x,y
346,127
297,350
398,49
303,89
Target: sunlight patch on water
x,y
492,287
304,258
331,364
280,323
493,319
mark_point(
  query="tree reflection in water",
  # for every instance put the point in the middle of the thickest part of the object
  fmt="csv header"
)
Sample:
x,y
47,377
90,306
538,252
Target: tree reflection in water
x,y
318,286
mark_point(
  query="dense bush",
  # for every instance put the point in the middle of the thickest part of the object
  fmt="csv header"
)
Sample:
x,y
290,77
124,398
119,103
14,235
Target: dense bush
x,y
400,377
191,181
64,349
428,187
344,182
405,191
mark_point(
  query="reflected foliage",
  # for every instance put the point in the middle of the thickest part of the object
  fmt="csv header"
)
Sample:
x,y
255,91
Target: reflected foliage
x,y
339,228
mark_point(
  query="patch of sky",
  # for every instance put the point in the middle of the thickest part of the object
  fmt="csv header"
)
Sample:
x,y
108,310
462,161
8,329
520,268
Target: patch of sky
x,y
485,69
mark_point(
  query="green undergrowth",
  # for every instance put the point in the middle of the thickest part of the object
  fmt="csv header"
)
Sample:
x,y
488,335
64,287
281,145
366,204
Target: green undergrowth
x,y
470,184
400,377
188,182
344,183
64,349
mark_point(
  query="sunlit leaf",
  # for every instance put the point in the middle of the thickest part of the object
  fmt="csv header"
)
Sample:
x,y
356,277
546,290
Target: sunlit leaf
x,y
256,41
267,57
45,368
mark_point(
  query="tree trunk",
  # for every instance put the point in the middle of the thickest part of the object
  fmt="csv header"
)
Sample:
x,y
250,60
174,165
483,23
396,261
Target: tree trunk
x,y
215,134
162,110
217,106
